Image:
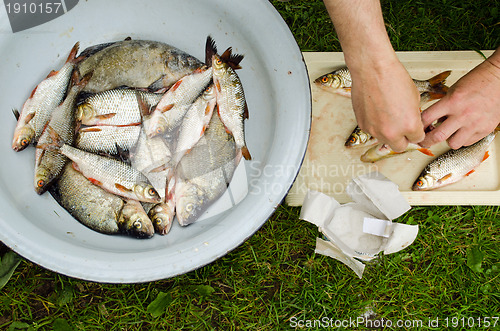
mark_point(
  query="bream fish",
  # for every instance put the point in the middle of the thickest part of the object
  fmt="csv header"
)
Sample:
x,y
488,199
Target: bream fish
x,y
49,164
112,175
231,104
94,207
203,174
138,63
106,139
46,96
453,165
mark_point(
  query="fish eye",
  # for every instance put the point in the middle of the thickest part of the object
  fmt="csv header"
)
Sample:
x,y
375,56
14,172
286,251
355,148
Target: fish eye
x,y
352,140
40,183
189,207
158,221
324,79
137,224
159,130
151,191
419,183
24,142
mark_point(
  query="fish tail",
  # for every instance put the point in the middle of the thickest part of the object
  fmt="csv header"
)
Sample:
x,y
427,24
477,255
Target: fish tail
x,y
246,153
438,89
210,50
72,54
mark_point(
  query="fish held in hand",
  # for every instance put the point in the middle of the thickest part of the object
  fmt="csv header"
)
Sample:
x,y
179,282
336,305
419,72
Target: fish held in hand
x,y
46,96
383,151
231,104
453,165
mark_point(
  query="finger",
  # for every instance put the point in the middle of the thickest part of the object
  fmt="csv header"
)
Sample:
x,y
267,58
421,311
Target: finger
x,y
464,137
416,136
433,113
398,146
440,133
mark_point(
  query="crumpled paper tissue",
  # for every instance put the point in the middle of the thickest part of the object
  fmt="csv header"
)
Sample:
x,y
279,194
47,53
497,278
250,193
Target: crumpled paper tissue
x,y
360,230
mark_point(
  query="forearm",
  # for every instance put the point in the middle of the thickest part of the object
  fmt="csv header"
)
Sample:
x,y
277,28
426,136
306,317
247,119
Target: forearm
x,y
361,30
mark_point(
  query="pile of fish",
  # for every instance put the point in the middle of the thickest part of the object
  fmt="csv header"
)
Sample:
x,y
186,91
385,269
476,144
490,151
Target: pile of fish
x,y
130,134
448,168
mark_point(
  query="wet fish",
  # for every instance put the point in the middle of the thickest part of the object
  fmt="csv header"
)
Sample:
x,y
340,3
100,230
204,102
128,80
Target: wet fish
x,y
49,164
195,123
453,165
106,139
203,174
138,63
46,96
162,217
98,209
134,220
117,107
171,109
231,104
112,175
383,151
339,81
359,138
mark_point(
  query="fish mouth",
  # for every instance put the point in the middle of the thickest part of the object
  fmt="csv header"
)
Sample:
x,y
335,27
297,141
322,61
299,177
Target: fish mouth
x,y
139,235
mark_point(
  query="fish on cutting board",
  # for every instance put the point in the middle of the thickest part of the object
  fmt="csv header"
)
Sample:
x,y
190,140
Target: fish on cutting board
x,y
453,165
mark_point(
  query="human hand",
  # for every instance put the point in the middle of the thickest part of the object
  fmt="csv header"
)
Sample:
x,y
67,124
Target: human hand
x,y
386,104
471,108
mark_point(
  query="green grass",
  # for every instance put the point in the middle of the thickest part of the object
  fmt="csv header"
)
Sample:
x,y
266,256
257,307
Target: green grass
x,y
275,277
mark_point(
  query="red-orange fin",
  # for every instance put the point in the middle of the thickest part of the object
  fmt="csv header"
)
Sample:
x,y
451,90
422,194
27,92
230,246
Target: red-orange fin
x,y
73,52
91,129
145,109
245,153
167,108
52,73
467,174
486,155
75,166
439,78
217,84
176,85
33,92
105,116
95,181
426,151
445,177
121,188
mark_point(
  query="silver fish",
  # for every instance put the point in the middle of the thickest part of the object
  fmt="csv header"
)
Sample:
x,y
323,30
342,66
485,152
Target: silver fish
x,y
453,165
107,139
49,164
195,123
46,96
138,63
112,175
231,104
134,220
203,174
116,107
173,106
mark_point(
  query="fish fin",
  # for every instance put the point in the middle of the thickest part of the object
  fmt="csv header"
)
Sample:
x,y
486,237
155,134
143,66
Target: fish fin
x,y
486,155
246,153
245,111
105,116
176,85
123,154
56,143
159,168
438,92
210,50
33,92
167,108
426,151
470,172
145,110
233,60
95,181
126,125
16,113
122,188
72,54
91,129
445,177
157,85
217,85
52,73
439,78
75,166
